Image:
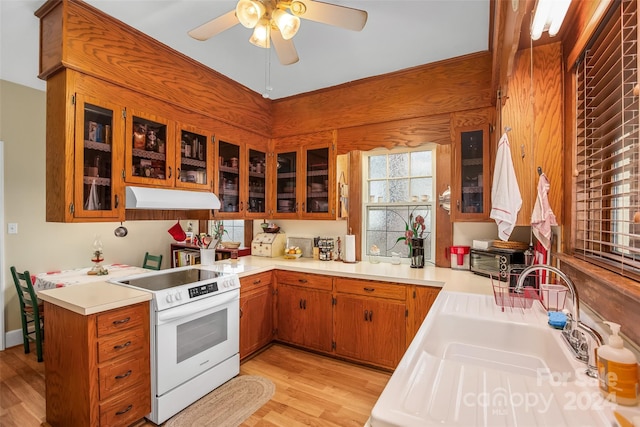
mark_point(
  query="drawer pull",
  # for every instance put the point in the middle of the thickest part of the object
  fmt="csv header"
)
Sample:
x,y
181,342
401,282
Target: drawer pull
x,y
257,281
124,411
125,375
121,346
302,280
121,321
369,289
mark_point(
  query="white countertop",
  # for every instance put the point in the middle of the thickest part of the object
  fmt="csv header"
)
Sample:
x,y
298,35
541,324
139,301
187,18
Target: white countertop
x,y
95,297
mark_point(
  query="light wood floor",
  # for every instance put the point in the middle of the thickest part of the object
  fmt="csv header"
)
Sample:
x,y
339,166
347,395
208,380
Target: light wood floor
x,y
311,390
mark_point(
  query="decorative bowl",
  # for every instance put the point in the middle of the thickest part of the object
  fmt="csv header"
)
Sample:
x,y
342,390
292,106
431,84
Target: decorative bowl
x,y
292,256
271,229
231,245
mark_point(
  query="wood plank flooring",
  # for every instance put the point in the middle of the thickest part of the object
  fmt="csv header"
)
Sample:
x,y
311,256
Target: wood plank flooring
x,y
311,390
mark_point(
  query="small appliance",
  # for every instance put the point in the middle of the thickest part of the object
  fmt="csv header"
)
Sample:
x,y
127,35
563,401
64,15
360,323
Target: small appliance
x,y
495,262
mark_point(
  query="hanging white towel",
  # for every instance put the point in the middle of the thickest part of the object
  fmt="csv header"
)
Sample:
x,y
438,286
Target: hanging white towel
x,y
505,194
542,217
92,203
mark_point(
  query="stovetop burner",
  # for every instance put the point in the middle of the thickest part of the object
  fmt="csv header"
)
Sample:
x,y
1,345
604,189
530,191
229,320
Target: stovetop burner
x,y
172,279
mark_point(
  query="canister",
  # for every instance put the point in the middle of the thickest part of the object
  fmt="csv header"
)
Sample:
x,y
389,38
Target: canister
x,y
460,257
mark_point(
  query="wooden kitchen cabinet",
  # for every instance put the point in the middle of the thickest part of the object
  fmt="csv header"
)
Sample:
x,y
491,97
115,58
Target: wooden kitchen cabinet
x,y
230,177
256,185
304,310
194,158
150,149
370,319
256,313
419,302
97,366
471,183
305,179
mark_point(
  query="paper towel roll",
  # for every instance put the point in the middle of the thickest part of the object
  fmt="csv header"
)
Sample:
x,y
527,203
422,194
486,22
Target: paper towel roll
x,y
350,248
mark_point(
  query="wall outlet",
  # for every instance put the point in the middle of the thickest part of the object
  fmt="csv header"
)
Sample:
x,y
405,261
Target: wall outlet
x,y
12,228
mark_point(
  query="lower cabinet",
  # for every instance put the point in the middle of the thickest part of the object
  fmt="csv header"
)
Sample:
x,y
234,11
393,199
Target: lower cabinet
x,y
256,313
419,302
304,309
370,321
97,366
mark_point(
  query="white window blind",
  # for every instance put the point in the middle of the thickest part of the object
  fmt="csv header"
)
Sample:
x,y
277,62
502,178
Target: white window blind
x,y
608,159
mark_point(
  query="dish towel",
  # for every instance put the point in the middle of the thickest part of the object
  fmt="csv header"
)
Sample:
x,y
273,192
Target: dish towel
x,y
542,217
505,194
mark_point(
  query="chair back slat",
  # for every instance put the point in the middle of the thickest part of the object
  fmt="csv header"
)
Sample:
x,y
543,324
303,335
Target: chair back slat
x,y
152,262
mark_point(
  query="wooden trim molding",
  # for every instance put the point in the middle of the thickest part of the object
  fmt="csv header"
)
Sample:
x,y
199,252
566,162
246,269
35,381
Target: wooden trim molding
x,y
610,295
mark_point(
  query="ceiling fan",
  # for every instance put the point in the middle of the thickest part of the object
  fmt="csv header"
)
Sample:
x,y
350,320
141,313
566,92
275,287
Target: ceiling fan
x,y
278,21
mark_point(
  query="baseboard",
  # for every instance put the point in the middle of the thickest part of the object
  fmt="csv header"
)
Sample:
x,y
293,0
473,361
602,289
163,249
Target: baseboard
x,y
13,338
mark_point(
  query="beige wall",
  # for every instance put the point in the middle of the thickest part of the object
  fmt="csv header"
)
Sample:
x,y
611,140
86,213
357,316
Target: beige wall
x,y
43,246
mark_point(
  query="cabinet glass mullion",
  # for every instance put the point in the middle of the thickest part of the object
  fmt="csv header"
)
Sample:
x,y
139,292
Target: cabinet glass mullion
x,y
97,158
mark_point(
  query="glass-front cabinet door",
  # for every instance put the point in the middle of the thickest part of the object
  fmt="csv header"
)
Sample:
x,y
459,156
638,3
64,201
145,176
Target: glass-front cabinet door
x,y
320,177
99,130
473,178
257,191
229,178
285,166
150,150
194,170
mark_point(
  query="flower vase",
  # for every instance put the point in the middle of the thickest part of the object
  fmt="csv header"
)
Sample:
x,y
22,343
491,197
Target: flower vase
x,y
416,252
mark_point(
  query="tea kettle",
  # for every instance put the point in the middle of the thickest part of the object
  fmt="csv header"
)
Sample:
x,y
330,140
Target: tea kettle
x,y
445,199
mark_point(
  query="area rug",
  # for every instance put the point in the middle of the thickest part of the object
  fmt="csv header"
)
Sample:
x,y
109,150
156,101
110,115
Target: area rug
x,y
228,405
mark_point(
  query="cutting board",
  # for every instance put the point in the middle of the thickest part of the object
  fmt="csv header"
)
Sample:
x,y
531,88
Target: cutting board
x,y
304,243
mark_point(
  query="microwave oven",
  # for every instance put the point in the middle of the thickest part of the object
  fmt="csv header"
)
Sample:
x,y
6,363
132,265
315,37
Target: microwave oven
x,y
495,262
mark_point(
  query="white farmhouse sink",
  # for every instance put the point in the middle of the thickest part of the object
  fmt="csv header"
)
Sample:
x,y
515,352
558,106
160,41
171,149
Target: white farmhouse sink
x,y
473,365
504,346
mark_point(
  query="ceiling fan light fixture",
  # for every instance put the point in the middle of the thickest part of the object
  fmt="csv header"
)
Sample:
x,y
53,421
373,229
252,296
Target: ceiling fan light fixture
x,y
298,8
261,34
286,23
249,12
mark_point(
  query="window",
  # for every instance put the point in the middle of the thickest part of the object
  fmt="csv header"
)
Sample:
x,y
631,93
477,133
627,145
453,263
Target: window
x,y
397,184
234,230
607,150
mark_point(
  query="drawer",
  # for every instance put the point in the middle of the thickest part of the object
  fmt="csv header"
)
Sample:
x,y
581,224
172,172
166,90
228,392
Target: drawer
x,y
126,408
122,344
123,374
249,283
371,288
113,321
306,280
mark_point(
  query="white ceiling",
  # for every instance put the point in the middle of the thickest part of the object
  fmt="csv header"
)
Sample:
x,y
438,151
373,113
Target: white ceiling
x,y
398,34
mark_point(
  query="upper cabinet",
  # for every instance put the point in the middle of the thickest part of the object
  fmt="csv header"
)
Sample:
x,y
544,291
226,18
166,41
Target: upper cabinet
x,y
194,160
257,184
471,190
98,156
231,177
150,150
305,178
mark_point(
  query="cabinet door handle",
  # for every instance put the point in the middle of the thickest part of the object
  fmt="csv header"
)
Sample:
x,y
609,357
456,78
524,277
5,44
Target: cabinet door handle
x,y
169,171
296,206
125,375
303,207
371,316
458,204
241,206
300,303
178,172
366,315
241,313
121,321
304,304
117,201
121,346
124,411
369,289
257,281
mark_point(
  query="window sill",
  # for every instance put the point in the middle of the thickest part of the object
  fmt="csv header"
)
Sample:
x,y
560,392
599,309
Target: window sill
x,y
611,296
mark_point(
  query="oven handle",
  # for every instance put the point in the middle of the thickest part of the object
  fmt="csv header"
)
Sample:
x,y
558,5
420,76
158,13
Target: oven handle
x,y
195,307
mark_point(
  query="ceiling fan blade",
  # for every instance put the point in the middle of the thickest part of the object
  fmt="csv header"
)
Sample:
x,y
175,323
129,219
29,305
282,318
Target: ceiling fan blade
x,y
215,26
285,49
331,14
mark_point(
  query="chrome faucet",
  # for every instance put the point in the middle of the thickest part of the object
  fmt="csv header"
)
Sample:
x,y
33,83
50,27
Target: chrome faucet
x,y
574,332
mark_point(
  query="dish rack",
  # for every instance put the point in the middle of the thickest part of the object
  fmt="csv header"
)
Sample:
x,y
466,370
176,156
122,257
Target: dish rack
x,y
551,296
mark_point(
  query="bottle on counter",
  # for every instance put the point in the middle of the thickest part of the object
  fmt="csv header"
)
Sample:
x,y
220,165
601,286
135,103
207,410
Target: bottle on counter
x,y
617,370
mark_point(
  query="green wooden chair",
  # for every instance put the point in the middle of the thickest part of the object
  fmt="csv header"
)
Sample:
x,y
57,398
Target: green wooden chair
x,y
152,262
31,312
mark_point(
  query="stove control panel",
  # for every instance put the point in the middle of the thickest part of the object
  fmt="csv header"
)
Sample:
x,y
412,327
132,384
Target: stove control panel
x,y
203,290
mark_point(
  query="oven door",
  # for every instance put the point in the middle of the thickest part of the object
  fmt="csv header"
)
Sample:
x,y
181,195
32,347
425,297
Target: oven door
x,y
195,337
486,264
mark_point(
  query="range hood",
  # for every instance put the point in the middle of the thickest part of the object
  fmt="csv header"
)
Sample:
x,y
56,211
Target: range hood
x,y
160,198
